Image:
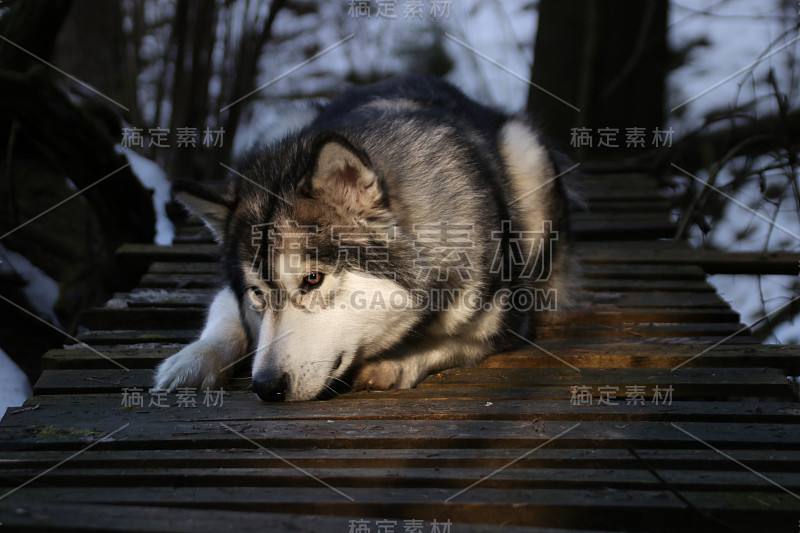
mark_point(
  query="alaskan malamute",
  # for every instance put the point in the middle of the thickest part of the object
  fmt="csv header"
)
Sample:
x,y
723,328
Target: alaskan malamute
x,y
406,230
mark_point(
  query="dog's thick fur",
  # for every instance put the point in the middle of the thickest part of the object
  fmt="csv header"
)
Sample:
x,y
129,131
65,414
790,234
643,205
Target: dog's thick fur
x,y
379,244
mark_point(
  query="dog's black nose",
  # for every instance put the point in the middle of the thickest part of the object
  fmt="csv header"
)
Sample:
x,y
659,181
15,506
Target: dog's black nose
x,y
272,390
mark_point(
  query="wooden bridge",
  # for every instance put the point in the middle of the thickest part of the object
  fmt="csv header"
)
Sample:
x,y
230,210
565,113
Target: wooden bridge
x,y
650,409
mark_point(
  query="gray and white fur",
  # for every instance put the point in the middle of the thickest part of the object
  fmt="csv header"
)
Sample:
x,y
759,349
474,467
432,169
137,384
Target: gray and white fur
x,y
344,247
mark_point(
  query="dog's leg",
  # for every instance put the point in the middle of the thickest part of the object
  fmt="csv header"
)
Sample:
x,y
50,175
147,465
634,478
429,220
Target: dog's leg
x,y
405,370
206,362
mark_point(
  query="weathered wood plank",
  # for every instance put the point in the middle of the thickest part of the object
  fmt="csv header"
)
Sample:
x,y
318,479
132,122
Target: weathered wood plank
x,y
711,261
135,336
641,272
690,381
246,406
586,356
657,510
160,318
198,297
397,434
176,267
144,297
144,254
159,519
765,460
620,229
537,507
642,332
653,298
576,334
598,205
520,478
179,281
633,286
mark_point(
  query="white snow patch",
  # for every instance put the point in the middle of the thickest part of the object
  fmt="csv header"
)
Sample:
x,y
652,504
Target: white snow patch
x,y
40,289
14,385
154,178
739,32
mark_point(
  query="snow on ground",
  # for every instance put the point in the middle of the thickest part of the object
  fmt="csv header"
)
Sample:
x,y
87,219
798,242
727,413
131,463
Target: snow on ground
x,y
739,32
14,386
154,178
503,32
42,292
40,289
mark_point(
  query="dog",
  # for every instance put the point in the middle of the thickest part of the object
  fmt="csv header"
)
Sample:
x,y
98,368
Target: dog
x,y
405,230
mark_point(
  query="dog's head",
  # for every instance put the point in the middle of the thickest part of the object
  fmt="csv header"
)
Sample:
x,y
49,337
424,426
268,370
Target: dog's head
x,y
307,231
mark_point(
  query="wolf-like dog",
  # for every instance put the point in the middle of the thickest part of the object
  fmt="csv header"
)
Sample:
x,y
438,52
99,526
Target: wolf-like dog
x,y
406,230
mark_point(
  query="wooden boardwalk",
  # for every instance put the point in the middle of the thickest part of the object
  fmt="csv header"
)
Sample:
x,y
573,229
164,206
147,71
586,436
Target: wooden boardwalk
x,y
592,429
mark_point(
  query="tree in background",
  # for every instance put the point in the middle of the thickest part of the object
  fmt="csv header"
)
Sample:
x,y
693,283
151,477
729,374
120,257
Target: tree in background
x,y
608,59
56,141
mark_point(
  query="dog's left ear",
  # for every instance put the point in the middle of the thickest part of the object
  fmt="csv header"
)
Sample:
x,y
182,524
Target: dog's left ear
x,y
344,175
212,206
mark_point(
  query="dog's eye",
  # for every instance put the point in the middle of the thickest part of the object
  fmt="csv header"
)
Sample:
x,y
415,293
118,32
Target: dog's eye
x,y
313,280
257,298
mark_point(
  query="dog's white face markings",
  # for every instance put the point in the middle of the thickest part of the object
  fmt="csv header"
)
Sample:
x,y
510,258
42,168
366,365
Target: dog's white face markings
x,y
318,333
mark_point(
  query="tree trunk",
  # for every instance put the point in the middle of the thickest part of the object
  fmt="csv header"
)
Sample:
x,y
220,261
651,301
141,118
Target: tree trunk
x,y
608,59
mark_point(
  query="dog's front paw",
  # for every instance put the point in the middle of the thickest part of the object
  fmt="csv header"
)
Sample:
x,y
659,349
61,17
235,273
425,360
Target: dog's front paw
x,y
196,366
384,375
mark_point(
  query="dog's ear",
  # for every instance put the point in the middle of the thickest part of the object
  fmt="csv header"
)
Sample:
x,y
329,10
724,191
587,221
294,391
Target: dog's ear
x,y
211,206
344,175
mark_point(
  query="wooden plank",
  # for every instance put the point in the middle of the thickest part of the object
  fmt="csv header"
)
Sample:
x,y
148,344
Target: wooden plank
x,y
629,216
160,318
180,281
130,356
538,507
143,318
38,516
700,334
652,298
519,478
711,261
126,336
243,405
176,267
619,282
148,253
619,229
597,507
643,332
396,434
640,355
637,355
143,297
194,297
633,286
599,205
687,382
765,461
641,272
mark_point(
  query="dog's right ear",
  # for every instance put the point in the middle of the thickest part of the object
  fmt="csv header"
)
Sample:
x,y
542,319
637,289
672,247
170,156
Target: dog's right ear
x,y
211,206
